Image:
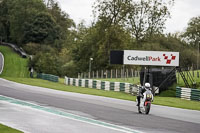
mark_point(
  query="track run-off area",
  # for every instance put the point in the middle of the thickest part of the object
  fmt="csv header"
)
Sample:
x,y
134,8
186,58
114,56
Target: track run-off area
x,y
36,109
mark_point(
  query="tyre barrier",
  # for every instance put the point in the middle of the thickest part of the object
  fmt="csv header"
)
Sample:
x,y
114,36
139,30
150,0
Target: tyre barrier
x,y
188,93
101,85
48,77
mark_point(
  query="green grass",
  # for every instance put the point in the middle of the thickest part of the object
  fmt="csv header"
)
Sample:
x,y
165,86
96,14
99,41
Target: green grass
x,y
21,77
14,66
181,83
177,102
5,129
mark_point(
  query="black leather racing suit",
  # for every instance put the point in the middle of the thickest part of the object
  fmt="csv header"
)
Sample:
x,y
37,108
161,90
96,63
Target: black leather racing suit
x,y
140,94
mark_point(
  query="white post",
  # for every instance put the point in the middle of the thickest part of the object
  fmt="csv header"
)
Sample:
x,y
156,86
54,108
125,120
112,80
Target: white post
x,y
90,66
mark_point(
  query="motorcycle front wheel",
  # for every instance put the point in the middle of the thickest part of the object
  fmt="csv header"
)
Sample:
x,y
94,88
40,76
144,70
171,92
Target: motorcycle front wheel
x,y
147,108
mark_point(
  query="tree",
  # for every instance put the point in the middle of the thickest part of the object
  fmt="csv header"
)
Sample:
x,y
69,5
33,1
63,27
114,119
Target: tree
x,y
96,42
144,18
4,20
22,12
43,29
63,20
192,33
147,18
111,11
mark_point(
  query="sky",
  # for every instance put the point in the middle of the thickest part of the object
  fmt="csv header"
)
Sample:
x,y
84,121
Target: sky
x,y
181,13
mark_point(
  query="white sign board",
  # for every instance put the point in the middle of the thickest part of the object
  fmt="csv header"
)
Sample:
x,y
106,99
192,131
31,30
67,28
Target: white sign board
x,y
153,58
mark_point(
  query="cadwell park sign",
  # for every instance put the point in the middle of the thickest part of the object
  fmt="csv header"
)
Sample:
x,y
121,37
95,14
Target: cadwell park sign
x,y
155,58
149,58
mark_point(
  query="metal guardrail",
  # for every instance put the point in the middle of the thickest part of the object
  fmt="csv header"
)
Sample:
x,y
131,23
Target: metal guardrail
x,y
188,93
20,51
48,77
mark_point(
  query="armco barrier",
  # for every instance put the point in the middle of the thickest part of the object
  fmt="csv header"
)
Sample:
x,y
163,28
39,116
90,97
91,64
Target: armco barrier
x,y
103,85
188,93
20,51
48,77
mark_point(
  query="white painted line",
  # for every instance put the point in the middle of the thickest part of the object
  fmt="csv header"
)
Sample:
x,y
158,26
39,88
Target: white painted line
x,y
2,62
69,115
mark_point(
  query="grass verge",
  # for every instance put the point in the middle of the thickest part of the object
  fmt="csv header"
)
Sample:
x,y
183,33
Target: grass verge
x,y
14,65
5,129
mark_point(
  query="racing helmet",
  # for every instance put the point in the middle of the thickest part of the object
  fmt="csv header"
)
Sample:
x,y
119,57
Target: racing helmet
x,y
147,85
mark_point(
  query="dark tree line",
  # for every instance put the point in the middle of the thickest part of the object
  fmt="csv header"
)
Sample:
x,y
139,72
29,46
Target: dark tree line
x,y
62,47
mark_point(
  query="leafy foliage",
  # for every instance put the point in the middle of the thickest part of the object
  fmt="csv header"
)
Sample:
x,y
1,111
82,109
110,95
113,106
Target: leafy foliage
x,y
61,47
43,30
192,33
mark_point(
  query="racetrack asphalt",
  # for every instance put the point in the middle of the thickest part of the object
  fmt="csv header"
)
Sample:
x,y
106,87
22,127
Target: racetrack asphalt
x,y
118,112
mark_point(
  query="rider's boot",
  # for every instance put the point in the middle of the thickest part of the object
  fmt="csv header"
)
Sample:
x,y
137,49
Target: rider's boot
x,y
138,100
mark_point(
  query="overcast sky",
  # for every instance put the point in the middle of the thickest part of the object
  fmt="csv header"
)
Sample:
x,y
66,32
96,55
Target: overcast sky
x,y
182,12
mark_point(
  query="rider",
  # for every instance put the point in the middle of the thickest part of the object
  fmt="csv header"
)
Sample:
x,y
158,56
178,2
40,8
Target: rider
x,y
141,91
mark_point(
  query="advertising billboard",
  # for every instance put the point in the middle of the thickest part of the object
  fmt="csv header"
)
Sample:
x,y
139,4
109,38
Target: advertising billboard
x,y
151,58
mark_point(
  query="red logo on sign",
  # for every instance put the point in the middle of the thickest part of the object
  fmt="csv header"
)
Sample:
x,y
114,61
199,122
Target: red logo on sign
x,y
168,59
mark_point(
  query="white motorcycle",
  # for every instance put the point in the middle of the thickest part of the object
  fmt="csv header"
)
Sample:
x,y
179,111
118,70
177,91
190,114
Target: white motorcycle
x,y
145,102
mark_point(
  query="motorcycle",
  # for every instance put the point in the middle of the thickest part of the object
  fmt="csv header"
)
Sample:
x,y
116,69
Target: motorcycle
x,y
145,102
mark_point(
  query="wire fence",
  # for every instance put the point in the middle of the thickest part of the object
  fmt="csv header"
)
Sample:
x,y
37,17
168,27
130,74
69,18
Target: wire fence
x,y
113,73
195,74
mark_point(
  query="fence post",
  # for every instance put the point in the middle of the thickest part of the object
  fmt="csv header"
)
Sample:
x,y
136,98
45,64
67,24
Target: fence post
x,y
111,73
116,74
102,74
127,72
131,72
121,73
193,73
97,74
